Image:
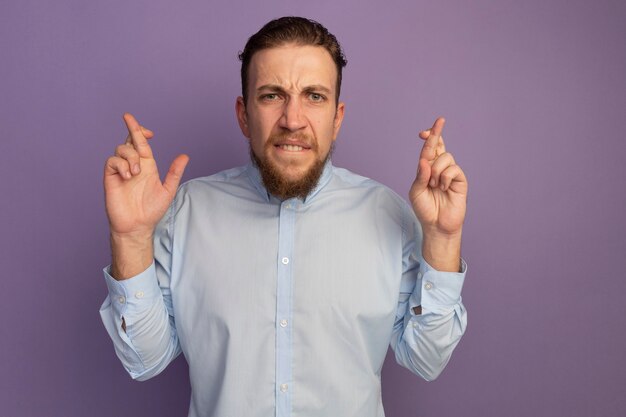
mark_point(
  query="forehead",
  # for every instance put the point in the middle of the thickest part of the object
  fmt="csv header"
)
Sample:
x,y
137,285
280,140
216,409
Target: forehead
x,y
292,66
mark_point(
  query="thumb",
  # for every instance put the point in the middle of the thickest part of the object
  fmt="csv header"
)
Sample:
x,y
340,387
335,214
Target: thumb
x,y
175,173
423,176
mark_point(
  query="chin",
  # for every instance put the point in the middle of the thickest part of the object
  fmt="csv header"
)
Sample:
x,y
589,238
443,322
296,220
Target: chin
x,y
288,180
292,174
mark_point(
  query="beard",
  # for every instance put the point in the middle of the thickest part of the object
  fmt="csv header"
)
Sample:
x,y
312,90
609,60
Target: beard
x,y
277,184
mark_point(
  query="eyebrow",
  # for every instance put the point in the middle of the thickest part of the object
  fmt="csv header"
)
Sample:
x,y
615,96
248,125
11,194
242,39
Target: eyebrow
x,y
307,89
317,87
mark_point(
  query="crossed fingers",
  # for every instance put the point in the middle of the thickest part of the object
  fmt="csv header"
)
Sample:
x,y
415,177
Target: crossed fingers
x,y
434,145
126,161
137,136
443,168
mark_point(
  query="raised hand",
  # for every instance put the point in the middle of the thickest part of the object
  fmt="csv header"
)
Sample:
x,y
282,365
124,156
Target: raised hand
x,y
135,198
439,193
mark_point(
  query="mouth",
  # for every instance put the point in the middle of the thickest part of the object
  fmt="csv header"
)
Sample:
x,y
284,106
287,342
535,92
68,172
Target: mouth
x,y
291,148
292,145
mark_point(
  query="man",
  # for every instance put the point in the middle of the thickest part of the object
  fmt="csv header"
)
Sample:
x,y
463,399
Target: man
x,y
283,282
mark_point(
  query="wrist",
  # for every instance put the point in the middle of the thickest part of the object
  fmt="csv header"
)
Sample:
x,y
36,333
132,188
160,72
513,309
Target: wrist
x,y
440,233
131,254
136,238
442,251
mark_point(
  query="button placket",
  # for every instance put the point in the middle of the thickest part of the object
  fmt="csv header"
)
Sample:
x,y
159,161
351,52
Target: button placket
x,y
284,354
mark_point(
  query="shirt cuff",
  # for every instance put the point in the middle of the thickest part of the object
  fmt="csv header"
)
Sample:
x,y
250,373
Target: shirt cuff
x,y
436,291
133,294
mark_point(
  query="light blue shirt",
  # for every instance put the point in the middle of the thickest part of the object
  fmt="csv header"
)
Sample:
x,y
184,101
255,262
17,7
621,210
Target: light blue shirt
x,y
286,308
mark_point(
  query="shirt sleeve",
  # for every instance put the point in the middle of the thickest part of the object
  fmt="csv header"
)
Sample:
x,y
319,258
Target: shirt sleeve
x,y
144,304
423,343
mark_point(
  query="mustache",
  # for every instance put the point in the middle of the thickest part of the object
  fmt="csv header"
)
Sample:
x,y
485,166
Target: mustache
x,y
281,137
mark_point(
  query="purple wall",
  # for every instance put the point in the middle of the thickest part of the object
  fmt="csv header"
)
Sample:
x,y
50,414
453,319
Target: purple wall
x,y
534,94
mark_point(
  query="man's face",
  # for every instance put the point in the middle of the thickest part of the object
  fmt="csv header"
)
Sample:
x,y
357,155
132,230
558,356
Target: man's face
x,y
290,117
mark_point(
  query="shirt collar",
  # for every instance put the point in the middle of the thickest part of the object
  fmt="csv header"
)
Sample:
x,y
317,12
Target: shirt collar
x,y
255,178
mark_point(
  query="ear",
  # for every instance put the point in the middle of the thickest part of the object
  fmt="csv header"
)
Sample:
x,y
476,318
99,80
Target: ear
x,y
242,116
338,118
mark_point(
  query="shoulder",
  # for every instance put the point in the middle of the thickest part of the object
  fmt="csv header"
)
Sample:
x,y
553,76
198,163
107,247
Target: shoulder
x,y
346,180
223,178
232,183
371,193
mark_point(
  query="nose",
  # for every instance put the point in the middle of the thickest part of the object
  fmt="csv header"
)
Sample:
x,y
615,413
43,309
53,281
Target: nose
x,y
292,118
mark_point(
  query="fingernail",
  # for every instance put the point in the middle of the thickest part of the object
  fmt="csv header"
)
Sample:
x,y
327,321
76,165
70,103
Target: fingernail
x,y
127,175
443,187
432,183
136,169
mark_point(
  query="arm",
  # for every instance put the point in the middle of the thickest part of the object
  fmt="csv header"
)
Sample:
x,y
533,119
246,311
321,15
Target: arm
x,y
138,316
431,318
138,313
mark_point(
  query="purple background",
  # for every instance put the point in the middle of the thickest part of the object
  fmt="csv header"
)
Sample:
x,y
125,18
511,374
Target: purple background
x,y
534,94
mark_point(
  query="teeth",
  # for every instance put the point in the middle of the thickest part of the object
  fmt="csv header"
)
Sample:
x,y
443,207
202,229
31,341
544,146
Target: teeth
x,y
291,147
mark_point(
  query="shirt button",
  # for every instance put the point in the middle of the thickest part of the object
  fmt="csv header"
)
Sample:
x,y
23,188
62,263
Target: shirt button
x,y
428,285
283,323
122,300
285,260
283,387
139,294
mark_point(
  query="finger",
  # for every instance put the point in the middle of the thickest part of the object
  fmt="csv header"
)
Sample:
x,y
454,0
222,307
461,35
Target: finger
x,y
441,147
175,173
117,166
138,140
129,153
423,176
148,134
442,162
449,175
429,150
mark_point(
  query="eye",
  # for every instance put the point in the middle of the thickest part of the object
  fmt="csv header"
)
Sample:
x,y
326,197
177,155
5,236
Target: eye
x,y
270,97
316,97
